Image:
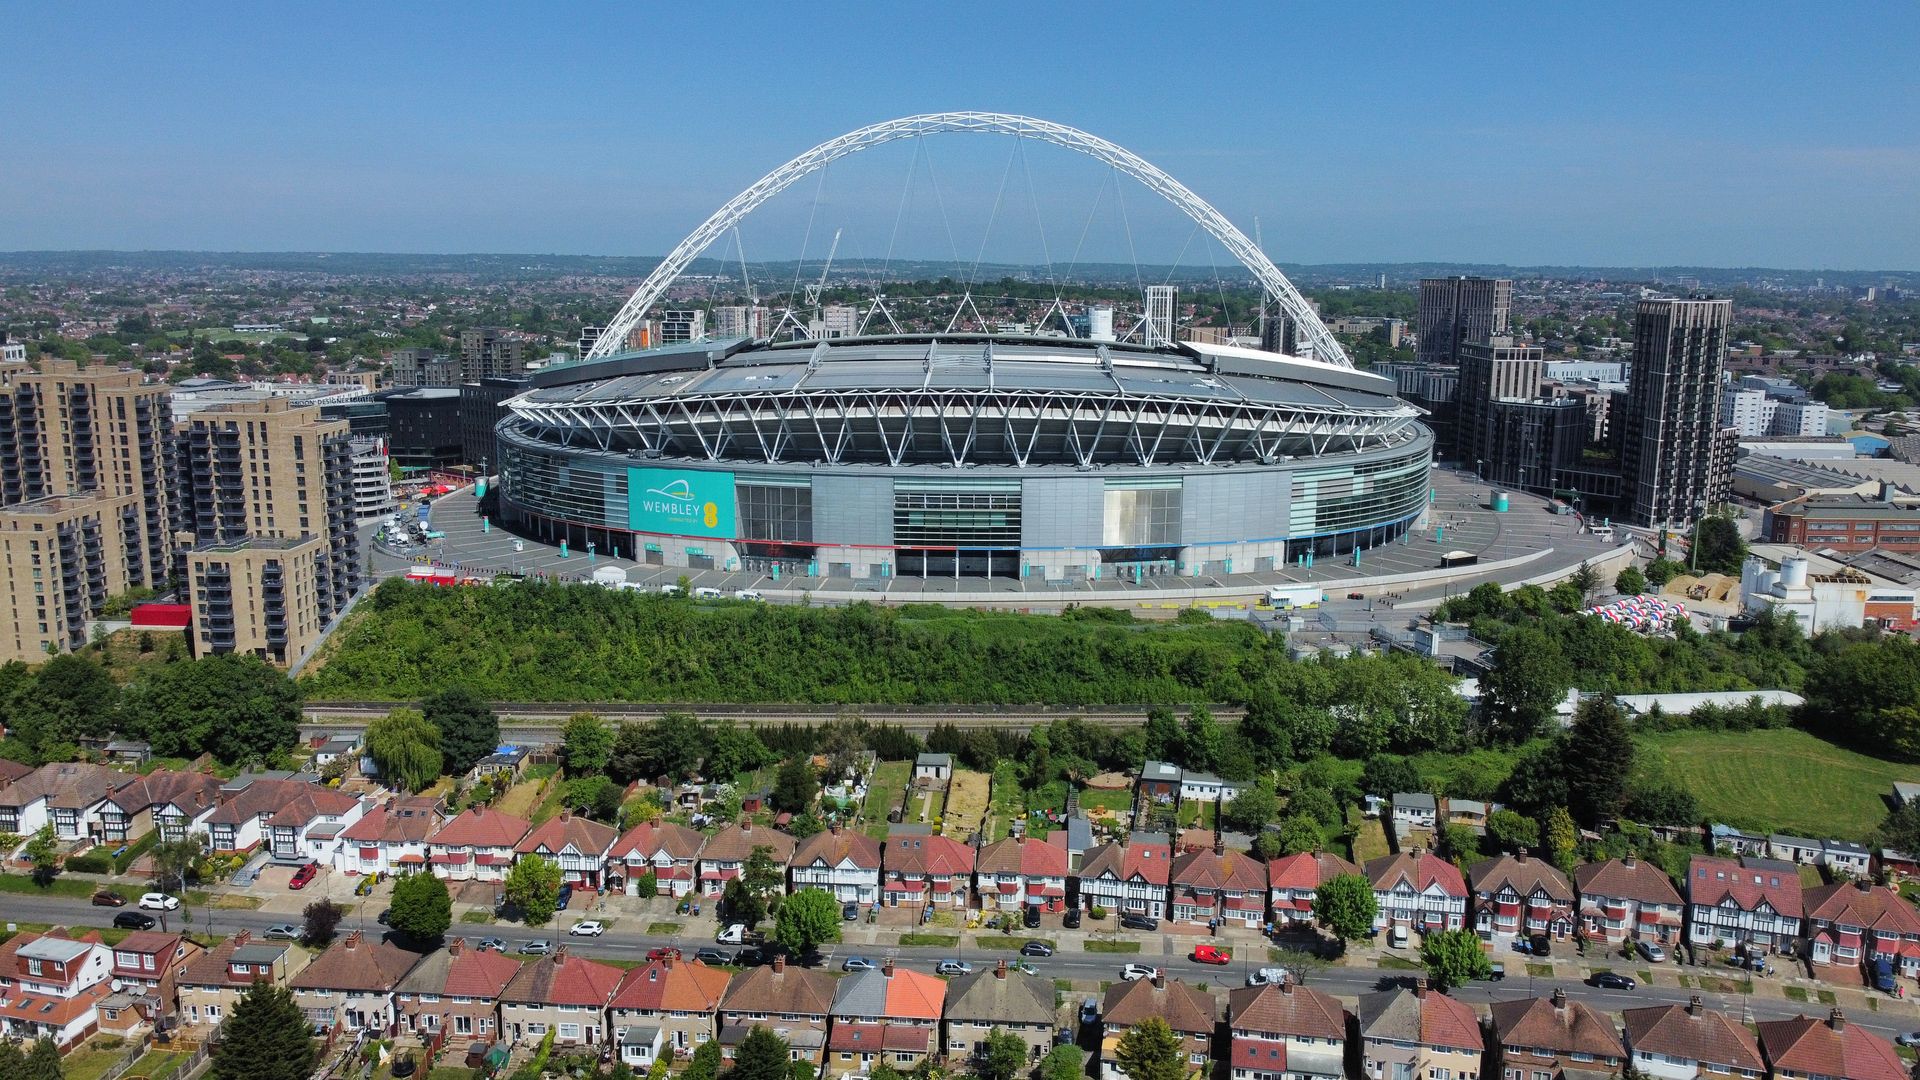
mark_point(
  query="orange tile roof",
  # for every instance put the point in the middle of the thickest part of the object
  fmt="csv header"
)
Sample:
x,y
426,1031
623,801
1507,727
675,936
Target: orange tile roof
x,y
481,827
561,978
669,985
1830,1047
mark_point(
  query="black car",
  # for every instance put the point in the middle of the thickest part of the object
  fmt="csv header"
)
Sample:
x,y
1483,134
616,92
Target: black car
x,y
1036,948
1139,922
1072,919
134,920
850,911
713,956
751,956
1542,945
1032,917
1610,980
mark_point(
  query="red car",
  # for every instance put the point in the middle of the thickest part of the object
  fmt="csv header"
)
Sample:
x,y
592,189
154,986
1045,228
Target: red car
x,y
1211,954
303,875
661,952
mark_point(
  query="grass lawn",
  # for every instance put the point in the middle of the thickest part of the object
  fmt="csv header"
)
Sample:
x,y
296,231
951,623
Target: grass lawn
x,y
1102,945
1369,837
1401,963
940,941
1540,971
1795,993
1779,780
966,804
1006,941
475,917
664,928
1119,802
521,798
883,795
230,901
450,1072
157,1063
22,883
91,1060
1810,877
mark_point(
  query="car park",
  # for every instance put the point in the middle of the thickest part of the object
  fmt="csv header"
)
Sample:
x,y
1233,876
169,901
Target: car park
x,y
588,928
108,898
954,967
1139,922
663,952
1036,948
1133,972
1611,980
1210,954
303,875
1651,952
1072,919
856,963
283,932
159,901
134,920
536,948
712,955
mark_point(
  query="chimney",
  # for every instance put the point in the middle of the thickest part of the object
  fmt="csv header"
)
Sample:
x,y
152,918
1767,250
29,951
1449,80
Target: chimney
x,y
1000,969
1159,980
835,829
1864,885
242,937
354,937
666,962
1628,861
1693,1005
1837,1020
779,963
1559,998
565,814
1520,854
1019,838
1286,983
746,823
1420,989
886,967
1219,841
456,946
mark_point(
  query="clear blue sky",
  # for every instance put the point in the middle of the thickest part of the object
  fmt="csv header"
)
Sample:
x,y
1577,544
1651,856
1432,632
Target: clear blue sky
x,y
1626,133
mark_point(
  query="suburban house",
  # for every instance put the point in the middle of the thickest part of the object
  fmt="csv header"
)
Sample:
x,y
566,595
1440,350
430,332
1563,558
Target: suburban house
x,y
1017,870
560,992
508,760
1807,1049
1793,849
350,986
328,749
1414,810
1207,788
1846,857
144,980
670,851
580,847
1628,900
921,869
1294,880
477,845
1190,1013
1159,782
1417,1034
1130,877
1468,814
1684,1042
884,1014
1852,923
54,985
1078,841
843,862
308,827
1518,895
677,997
1904,792
1736,842
727,851
1286,1032
213,982
1219,884
69,794
1552,1039
455,990
932,771
1003,999
1750,903
793,1002
176,803
392,838
1417,890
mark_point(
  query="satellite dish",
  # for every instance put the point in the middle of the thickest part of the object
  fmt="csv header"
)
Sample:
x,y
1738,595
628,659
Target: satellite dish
x,y
116,985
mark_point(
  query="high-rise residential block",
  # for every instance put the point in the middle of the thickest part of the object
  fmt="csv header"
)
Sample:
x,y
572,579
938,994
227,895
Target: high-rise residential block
x,y
677,327
1490,371
740,320
1674,459
487,352
61,557
260,595
1457,310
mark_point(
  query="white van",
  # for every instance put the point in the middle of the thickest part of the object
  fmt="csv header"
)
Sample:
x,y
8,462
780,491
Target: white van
x,y
747,594
670,590
732,935
1397,937
706,593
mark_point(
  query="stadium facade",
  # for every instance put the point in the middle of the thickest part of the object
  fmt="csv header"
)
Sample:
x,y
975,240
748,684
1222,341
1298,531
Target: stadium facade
x,y
962,455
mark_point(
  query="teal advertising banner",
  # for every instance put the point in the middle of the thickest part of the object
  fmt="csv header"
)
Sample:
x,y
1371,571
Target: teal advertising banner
x,y
681,502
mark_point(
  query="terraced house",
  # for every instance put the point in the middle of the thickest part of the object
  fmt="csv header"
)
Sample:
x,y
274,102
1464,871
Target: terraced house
x,y
1286,1032
1751,903
1851,923
1417,1034
841,861
562,993
1018,871
454,990
727,851
1189,1012
1685,1042
1518,895
1628,900
677,997
793,1002
884,1014
350,985
1215,883
1130,877
580,847
670,852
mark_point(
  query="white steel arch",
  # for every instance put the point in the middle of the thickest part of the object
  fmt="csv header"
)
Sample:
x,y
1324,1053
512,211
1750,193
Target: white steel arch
x,y
1312,330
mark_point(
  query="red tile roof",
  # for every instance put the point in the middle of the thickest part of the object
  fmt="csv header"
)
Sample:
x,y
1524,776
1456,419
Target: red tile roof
x,y
1830,1047
669,985
1628,879
560,978
1526,874
1022,855
354,963
564,829
400,821
832,848
737,841
1210,869
1555,1024
1863,904
1711,879
1132,861
649,838
481,827
916,854
1186,1010
479,973
1307,870
1287,1010
1692,1031
1420,869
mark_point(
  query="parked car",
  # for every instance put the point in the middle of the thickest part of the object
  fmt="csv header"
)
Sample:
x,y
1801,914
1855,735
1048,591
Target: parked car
x,y
1090,1011
662,952
303,875
1910,1038
1267,976
1133,972
751,956
712,955
134,920
1651,952
856,963
1542,945
1072,919
385,917
1031,917
1025,968
283,932
1210,954
1397,938
1036,948
538,947
159,901
1139,922
954,967
108,898
498,945
1883,979
566,897
588,928
1611,980
850,911
1498,973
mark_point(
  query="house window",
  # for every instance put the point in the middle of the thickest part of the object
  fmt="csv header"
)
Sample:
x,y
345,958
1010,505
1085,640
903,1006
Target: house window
x,y
213,1012
569,1031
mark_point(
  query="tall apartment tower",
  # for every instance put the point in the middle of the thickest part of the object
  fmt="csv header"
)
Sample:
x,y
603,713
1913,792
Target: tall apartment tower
x,y
266,518
486,353
1458,310
1490,371
1279,333
68,430
1673,457
61,557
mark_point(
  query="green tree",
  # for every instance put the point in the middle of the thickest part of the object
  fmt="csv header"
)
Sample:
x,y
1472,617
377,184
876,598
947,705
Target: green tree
x,y
1511,830
468,728
1662,804
235,706
807,919
405,749
177,861
586,744
706,1062
733,751
533,888
43,1061
796,785
1529,679
320,920
13,1063
1345,905
1585,579
742,904
595,796
1603,748
1002,1056
1454,958
1150,1051
1662,570
70,696
1386,776
1251,810
762,1056
421,907
43,851
1317,803
1298,833
1718,548
1063,1062
265,1037
1901,830
1562,838
1630,581
806,823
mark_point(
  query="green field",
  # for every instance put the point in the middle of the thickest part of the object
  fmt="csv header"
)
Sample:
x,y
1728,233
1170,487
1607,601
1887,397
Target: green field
x,y
1780,780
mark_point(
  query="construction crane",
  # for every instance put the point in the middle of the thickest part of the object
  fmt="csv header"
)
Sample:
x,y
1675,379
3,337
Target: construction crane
x,y
814,290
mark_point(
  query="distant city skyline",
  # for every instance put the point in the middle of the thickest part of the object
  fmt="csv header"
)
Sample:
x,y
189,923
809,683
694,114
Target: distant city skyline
x,y
1707,135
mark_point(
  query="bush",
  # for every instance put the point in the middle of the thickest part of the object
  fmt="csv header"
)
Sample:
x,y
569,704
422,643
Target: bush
x,y
93,862
1096,912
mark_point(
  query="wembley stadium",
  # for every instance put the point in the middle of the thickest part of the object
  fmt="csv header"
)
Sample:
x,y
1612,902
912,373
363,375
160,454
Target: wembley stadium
x,y
964,454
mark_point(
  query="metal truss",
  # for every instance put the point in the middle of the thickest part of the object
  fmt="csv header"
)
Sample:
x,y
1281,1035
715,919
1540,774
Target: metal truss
x,y
913,426
1312,330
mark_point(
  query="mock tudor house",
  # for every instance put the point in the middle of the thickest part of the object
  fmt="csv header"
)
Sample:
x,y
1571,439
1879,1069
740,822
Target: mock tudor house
x,y
884,1014
670,851
392,838
1628,900
1002,999
679,997
727,851
843,862
580,847
1852,923
1293,881
1417,890
1520,896
212,983
67,794
1751,903
793,1002
1552,1039
53,986
176,803
350,985
1021,871
145,979
562,993
1129,877
1686,1042
1219,884
1807,1049
1286,1032
477,845
1417,1034
455,990
921,869
308,827
1190,1013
